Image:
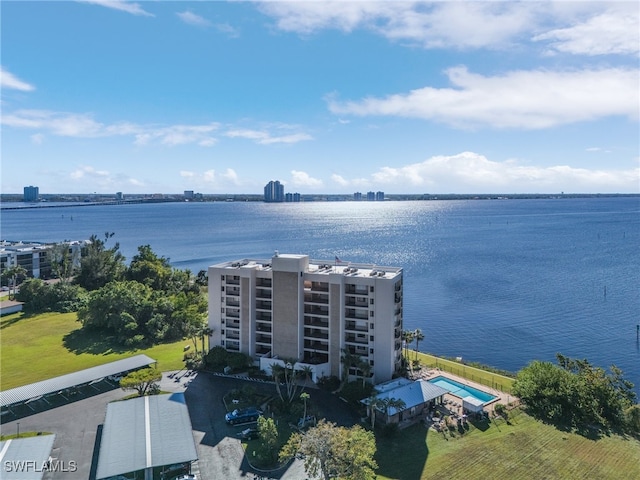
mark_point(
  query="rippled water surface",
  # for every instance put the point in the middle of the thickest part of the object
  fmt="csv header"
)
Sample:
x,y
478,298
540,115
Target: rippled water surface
x,y
501,282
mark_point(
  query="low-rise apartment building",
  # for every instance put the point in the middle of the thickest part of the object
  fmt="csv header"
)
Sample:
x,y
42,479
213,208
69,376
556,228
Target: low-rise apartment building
x,y
290,308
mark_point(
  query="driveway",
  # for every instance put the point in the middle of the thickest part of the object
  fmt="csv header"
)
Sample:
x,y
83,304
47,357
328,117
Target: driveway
x,y
221,456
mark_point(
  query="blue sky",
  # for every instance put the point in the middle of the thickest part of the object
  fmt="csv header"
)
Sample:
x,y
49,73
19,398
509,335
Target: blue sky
x,y
327,97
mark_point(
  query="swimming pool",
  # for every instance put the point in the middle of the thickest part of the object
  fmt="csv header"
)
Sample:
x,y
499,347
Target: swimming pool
x,y
461,390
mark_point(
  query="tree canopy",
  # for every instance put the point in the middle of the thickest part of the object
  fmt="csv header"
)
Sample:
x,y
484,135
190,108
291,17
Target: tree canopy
x,y
575,393
330,451
100,265
144,381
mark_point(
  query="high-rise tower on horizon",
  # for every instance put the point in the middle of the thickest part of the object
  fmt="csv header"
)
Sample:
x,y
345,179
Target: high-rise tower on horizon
x,y
274,192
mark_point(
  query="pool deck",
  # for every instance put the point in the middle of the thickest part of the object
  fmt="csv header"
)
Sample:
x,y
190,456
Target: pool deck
x,y
454,402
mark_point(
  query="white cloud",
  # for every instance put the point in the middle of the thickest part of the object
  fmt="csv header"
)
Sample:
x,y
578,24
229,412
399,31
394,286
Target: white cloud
x,y
590,28
518,99
84,126
231,175
122,5
339,180
266,138
228,30
37,138
86,171
303,179
186,173
193,19
614,31
10,81
472,172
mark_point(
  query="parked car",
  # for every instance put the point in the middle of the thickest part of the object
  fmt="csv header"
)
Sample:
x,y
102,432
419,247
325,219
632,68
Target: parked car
x,y
249,433
188,476
244,415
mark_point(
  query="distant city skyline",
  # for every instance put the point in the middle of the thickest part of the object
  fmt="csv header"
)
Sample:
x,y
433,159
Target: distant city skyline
x,y
328,97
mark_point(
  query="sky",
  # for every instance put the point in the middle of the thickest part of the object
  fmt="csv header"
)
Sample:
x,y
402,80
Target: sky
x,y
327,97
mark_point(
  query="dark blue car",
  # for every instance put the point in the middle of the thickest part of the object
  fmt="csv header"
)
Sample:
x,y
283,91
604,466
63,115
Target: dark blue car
x,y
244,415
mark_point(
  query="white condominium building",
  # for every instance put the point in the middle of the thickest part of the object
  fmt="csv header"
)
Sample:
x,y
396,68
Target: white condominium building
x,y
289,308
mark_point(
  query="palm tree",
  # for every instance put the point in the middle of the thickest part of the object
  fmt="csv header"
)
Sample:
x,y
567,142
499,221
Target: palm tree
x,y
391,402
418,335
205,331
365,370
407,337
305,396
306,372
13,273
374,403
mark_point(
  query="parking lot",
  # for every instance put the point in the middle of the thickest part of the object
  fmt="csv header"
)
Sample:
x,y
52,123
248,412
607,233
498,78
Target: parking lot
x,y
220,452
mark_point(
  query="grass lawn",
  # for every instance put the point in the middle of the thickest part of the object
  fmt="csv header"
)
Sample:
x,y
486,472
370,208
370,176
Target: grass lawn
x,y
493,380
38,347
525,449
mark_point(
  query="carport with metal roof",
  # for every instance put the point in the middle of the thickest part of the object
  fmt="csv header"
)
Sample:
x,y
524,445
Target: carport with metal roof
x,y
33,391
28,458
146,434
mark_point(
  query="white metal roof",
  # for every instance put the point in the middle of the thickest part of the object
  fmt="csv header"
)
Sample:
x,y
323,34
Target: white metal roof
x,y
24,458
411,393
145,432
63,382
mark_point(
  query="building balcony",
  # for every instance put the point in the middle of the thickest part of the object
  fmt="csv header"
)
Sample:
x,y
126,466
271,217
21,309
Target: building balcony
x,y
314,358
232,335
264,339
316,298
263,350
263,327
232,323
263,316
234,291
263,305
316,333
359,351
360,339
318,287
356,302
232,302
356,326
357,314
316,310
314,345
356,290
261,293
263,282
315,322
233,280
233,312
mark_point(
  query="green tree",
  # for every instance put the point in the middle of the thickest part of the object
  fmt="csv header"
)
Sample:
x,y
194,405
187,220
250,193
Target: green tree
x,y
418,336
575,393
391,402
64,261
148,268
14,273
288,376
268,433
100,265
143,381
407,338
304,396
330,451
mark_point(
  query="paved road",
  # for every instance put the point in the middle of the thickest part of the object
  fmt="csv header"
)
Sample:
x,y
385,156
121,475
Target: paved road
x,y
220,452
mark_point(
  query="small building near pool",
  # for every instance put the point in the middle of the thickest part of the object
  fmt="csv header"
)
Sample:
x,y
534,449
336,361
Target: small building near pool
x,y
418,396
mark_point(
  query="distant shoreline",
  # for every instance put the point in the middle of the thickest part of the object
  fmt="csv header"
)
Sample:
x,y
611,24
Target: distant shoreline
x,y
8,202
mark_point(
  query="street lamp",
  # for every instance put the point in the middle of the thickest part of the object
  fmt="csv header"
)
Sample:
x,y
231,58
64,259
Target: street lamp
x,y
18,435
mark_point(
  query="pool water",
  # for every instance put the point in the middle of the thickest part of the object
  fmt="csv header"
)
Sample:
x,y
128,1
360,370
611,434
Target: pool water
x,y
461,390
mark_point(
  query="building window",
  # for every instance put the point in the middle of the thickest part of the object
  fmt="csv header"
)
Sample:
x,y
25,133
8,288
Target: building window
x,y
371,338
222,332
371,362
371,313
372,325
222,310
371,289
222,288
371,302
222,277
371,351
